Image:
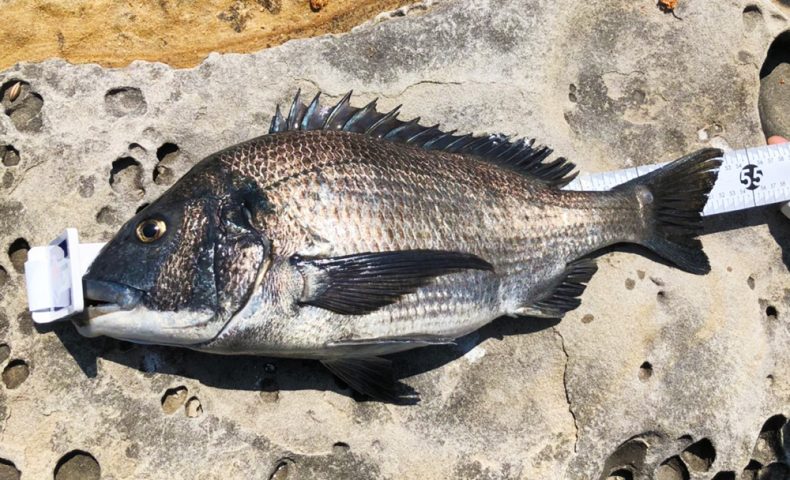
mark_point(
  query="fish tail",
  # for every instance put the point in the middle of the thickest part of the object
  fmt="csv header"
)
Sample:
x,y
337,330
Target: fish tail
x,y
672,199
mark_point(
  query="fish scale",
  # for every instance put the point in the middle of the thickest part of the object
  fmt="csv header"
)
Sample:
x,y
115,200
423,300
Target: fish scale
x,y
478,194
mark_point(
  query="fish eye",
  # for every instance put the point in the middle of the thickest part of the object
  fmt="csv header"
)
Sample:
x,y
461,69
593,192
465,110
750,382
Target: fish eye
x,y
150,230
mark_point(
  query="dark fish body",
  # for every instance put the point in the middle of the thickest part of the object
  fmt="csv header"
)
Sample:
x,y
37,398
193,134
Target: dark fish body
x,y
346,234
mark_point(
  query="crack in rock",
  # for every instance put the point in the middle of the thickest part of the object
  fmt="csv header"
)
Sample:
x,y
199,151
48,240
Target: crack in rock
x,y
565,388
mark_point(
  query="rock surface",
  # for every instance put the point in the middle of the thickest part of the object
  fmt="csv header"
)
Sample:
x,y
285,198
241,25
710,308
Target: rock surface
x,y
659,374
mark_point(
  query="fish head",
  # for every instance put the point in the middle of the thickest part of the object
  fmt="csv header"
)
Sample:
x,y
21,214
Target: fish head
x,y
179,270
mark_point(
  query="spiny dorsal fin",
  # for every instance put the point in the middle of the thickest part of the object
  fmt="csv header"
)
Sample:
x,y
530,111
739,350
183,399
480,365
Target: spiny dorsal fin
x,y
520,155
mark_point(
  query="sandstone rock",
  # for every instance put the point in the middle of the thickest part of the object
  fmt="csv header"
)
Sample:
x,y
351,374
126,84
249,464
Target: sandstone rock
x,y
653,362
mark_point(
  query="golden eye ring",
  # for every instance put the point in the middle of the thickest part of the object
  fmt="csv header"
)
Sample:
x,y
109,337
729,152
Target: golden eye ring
x,y
150,230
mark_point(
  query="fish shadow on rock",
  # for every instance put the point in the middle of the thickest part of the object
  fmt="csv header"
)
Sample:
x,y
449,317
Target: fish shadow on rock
x,y
270,375
778,226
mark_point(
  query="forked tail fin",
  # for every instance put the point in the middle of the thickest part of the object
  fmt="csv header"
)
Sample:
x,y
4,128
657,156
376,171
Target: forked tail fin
x,y
672,200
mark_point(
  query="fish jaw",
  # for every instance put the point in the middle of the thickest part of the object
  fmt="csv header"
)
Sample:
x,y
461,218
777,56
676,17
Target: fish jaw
x,y
143,325
124,316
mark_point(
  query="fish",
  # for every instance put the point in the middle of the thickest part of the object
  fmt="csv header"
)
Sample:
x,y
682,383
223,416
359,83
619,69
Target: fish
x,y
345,235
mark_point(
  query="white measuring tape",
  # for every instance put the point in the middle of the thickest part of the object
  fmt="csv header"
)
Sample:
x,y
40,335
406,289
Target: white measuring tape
x,y
747,178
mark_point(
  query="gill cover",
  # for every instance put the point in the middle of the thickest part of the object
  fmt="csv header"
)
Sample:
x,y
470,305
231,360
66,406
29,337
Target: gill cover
x,y
190,260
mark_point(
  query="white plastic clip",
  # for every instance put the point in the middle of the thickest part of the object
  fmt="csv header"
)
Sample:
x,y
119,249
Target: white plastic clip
x,y
53,276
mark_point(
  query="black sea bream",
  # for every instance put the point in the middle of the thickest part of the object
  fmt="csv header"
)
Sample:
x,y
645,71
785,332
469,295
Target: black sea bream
x,y
345,234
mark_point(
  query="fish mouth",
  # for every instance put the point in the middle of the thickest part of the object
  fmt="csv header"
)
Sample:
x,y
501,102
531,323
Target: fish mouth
x,y
116,310
103,297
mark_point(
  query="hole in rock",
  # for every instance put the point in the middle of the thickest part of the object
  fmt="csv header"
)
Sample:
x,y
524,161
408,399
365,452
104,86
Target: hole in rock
x,y
125,101
15,373
700,455
750,282
771,312
167,152
672,469
193,408
627,458
774,423
753,465
17,253
752,17
22,105
10,156
173,399
724,476
340,448
621,474
5,352
3,276
645,371
269,390
126,175
77,464
280,471
8,470
167,155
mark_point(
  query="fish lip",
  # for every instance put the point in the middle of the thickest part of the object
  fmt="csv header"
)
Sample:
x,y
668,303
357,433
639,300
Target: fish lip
x,y
111,294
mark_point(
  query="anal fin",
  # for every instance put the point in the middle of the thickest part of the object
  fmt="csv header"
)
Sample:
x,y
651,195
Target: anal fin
x,y
565,295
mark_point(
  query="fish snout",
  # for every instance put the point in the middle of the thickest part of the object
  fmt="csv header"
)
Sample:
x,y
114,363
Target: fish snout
x,y
110,292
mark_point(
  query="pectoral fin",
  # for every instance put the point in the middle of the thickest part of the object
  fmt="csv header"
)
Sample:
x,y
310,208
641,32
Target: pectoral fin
x,y
362,283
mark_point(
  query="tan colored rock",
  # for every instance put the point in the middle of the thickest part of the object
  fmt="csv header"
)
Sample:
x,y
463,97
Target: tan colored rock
x,y
181,34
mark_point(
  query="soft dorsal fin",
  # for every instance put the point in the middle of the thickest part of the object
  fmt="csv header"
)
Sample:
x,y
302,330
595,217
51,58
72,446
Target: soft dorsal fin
x,y
521,155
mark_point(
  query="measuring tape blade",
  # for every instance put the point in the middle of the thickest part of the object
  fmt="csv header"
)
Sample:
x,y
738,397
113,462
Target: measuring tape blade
x,y
748,178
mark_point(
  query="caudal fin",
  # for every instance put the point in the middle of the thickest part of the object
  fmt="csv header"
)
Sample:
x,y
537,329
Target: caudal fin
x,y
672,198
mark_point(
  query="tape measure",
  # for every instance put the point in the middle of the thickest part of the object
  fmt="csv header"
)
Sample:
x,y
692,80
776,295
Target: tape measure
x,y
747,178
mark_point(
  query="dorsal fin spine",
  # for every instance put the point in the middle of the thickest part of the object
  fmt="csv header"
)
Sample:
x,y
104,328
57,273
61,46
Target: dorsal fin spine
x,y
520,155
336,109
362,113
291,120
310,111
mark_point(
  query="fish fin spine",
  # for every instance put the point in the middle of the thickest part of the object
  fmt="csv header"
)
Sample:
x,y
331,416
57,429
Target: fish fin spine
x,y
672,200
521,155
